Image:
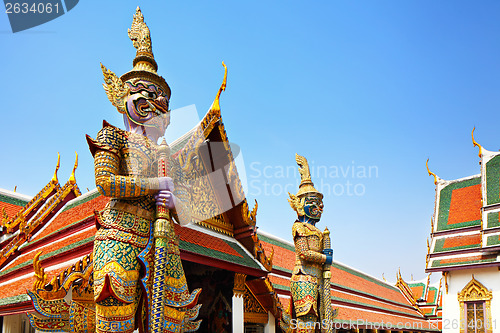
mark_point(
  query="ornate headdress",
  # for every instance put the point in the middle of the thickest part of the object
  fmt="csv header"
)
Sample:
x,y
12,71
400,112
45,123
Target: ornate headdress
x,y
306,186
144,63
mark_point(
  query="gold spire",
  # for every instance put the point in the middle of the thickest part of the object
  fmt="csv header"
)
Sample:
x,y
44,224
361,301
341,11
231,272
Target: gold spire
x,y
54,178
72,178
476,144
139,34
431,173
215,105
306,185
144,63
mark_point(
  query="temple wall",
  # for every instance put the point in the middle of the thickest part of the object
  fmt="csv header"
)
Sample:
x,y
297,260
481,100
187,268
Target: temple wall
x,y
457,280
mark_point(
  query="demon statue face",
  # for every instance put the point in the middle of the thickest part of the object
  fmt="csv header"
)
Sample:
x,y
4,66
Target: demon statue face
x,y
313,207
146,109
308,202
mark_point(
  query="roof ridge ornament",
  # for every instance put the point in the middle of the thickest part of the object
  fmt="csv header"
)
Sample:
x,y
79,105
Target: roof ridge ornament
x,y
477,144
72,178
431,173
54,178
215,105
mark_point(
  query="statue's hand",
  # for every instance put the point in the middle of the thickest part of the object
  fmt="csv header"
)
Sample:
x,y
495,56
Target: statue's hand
x,y
166,183
165,198
329,256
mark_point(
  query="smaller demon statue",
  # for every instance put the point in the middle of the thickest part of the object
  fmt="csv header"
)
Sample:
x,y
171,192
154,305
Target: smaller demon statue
x,y
310,282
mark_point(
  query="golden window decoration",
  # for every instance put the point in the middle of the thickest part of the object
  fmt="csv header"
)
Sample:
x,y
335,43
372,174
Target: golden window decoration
x,y
475,308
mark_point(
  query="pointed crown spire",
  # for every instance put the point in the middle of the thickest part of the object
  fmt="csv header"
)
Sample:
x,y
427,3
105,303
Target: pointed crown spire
x,y
144,63
306,185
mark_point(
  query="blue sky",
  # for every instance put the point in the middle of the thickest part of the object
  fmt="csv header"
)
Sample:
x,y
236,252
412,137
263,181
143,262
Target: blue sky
x,y
374,85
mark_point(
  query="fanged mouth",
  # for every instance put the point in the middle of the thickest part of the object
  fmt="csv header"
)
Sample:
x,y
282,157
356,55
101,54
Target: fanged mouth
x,y
144,108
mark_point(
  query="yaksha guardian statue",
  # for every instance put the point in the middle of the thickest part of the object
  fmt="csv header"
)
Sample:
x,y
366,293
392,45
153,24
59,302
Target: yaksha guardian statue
x,y
139,281
310,282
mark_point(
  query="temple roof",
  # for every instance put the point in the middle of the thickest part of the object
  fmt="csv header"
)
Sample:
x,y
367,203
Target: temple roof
x,y
356,295
465,226
69,236
12,202
427,297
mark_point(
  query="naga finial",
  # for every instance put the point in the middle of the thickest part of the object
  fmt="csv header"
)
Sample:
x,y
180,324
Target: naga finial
x,y
72,178
40,276
476,144
54,178
215,105
139,34
431,173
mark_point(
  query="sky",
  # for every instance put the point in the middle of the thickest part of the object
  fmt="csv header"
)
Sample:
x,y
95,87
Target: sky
x,y
365,90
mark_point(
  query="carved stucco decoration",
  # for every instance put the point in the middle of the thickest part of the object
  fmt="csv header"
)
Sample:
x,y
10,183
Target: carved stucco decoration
x,y
475,291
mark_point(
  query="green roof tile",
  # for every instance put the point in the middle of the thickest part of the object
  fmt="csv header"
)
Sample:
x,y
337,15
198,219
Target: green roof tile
x,y
445,201
493,180
493,220
493,240
13,201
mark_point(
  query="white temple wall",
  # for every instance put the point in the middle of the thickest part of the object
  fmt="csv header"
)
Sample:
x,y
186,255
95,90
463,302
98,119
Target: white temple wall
x,y
457,280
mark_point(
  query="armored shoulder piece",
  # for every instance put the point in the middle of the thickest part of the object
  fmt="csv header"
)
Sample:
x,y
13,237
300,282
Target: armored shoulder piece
x,y
109,138
304,230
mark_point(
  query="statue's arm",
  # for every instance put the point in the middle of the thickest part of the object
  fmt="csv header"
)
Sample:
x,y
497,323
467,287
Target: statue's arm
x,y
106,151
109,183
302,249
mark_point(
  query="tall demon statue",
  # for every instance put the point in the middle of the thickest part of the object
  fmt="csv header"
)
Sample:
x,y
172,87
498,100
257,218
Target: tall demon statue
x,y
310,282
139,281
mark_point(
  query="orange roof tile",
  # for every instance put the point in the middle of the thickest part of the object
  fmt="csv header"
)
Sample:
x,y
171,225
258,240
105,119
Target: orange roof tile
x,y
417,291
57,244
465,204
73,214
459,241
10,209
201,239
